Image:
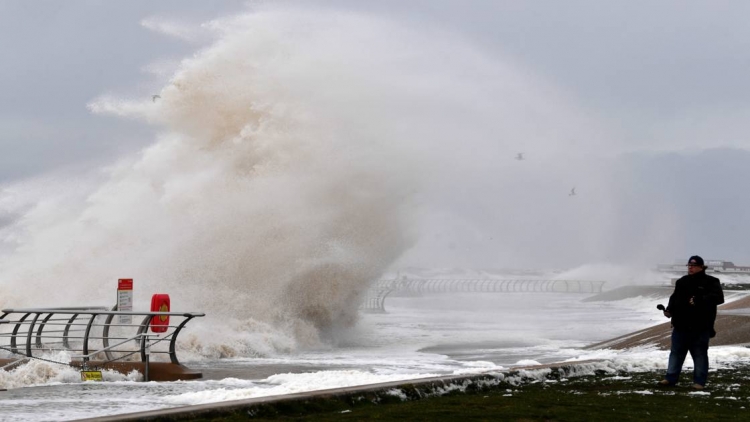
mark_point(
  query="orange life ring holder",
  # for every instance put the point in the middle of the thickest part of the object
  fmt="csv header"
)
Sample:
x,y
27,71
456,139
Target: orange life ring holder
x,y
159,303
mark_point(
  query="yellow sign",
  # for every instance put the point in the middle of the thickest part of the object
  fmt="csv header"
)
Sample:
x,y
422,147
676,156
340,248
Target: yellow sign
x,y
91,375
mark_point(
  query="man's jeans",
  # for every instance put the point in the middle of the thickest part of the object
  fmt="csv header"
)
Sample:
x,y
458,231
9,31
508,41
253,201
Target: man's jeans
x,y
695,342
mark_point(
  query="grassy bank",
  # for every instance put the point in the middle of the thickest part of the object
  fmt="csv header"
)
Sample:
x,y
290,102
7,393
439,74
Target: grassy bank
x,y
631,396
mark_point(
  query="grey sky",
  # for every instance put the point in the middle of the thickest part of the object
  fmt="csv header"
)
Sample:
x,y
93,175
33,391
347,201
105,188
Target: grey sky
x,y
669,76
61,55
656,57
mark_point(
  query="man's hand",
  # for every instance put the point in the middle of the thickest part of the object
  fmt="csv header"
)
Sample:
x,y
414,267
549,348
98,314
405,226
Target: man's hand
x,y
692,300
667,314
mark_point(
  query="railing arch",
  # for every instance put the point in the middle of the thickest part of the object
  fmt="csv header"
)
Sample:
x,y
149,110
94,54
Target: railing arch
x,y
375,300
27,330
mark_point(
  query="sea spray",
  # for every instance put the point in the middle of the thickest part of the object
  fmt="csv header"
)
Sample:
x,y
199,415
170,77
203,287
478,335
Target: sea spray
x,y
296,156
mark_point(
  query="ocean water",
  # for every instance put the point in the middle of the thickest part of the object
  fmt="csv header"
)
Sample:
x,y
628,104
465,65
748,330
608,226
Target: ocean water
x,y
417,337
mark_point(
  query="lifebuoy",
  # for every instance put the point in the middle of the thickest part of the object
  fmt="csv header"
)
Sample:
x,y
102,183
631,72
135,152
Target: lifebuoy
x,y
159,303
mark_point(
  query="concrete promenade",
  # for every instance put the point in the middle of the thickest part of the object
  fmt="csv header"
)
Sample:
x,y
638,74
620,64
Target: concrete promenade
x,y
412,389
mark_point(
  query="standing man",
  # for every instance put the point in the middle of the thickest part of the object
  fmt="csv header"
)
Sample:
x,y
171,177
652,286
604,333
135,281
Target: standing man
x,y
692,308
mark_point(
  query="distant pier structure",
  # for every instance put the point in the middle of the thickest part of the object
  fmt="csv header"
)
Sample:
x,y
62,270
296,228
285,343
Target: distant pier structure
x,y
375,300
713,266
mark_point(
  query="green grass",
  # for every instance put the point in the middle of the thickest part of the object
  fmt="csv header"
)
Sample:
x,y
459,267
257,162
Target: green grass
x,y
602,397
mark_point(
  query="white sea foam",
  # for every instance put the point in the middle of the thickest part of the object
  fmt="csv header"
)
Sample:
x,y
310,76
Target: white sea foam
x,y
419,337
292,383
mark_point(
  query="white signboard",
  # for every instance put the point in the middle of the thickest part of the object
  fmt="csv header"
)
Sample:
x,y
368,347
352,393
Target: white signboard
x,y
125,299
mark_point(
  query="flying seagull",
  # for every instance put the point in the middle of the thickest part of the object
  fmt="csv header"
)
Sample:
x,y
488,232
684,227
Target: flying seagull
x,y
154,97
572,192
519,156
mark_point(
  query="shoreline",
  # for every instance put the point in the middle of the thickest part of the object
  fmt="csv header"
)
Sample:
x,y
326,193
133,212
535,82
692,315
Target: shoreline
x,y
542,392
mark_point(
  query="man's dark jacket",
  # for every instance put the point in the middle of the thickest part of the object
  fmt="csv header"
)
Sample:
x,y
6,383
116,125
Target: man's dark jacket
x,y
706,293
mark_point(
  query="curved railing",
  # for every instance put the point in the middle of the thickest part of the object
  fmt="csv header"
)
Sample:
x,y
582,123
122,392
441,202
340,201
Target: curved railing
x,y
375,300
91,332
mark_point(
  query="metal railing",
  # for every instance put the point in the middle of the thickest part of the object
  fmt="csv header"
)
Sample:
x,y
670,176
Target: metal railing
x,y
90,333
375,300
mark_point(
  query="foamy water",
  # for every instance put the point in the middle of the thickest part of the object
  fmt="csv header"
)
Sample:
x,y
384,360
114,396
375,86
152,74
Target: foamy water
x,y
418,337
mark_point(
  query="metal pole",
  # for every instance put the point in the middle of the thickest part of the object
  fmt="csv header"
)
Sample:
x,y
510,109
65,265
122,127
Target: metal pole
x,y
145,346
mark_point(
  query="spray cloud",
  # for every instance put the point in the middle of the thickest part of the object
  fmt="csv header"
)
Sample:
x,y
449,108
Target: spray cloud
x,y
297,155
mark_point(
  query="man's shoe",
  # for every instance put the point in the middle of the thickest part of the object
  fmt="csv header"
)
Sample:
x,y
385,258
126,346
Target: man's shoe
x,y
664,383
697,387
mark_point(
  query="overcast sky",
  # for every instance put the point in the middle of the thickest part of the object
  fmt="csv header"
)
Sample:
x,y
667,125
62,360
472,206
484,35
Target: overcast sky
x,y
668,79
